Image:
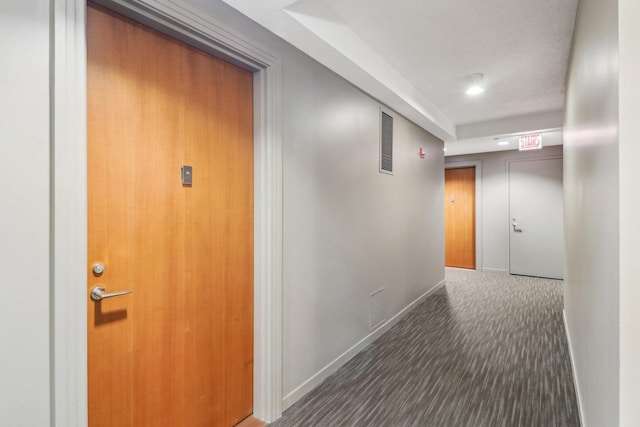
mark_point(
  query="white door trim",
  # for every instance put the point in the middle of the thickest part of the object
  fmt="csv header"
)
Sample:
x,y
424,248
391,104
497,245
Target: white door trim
x,y
478,165
69,195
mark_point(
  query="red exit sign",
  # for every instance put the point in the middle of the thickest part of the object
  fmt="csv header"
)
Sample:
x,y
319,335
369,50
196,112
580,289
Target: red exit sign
x,y
531,142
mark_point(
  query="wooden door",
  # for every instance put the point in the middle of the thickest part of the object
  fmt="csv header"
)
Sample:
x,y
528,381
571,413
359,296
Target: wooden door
x,y
460,217
178,351
536,245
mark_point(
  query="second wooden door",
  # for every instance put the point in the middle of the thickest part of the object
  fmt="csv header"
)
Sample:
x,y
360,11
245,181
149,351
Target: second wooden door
x,y
460,217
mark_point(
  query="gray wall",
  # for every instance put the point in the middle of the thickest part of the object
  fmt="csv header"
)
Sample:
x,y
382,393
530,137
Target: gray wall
x,y
629,33
495,224
592,211
601,151
24,213
348,230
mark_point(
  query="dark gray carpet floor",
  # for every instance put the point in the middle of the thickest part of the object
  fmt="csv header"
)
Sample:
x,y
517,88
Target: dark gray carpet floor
x,y
486,350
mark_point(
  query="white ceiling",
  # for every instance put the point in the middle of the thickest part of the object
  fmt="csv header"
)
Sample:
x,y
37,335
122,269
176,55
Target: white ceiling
x,y
414,55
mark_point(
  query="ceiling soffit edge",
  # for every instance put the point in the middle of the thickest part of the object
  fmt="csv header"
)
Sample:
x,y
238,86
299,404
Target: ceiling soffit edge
x,y
314,29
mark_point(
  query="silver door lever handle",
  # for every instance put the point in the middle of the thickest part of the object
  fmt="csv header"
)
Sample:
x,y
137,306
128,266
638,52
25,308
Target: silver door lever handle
x,y
98,293
517,230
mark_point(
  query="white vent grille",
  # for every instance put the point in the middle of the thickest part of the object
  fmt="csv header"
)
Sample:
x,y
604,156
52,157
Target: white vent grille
x,y
386,143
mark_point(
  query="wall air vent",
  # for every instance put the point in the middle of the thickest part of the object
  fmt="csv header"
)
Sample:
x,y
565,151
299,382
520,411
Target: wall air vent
x,y
386,143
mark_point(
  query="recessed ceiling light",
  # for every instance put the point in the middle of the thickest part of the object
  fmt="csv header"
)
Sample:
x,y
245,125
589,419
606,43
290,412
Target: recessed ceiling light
x,y
503,143
475,90
475,84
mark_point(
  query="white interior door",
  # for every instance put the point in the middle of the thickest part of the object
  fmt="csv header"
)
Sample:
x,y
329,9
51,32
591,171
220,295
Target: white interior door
x,y
536,215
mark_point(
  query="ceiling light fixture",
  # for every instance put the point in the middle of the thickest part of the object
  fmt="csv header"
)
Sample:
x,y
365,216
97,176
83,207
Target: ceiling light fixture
x,y
475,84
503,143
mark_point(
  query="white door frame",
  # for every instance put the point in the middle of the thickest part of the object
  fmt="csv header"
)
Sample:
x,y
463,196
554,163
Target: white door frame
x,y
478,165
68,315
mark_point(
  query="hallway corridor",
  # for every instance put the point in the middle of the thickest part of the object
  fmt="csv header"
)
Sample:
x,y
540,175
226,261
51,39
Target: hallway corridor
x,y
486,350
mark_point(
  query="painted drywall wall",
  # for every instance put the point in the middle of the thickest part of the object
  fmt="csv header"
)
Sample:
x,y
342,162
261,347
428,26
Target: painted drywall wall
x,y
494,184
24,213
591,181
348,229
629,153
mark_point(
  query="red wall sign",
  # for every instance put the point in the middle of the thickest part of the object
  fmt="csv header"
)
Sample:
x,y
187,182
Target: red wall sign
x,y
531,142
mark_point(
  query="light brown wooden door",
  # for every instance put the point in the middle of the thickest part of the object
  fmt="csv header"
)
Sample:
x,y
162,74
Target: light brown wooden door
x,y
178,351
460,217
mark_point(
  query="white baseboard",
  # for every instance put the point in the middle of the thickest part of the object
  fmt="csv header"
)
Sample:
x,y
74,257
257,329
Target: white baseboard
x,y
494,270
325,372
573,368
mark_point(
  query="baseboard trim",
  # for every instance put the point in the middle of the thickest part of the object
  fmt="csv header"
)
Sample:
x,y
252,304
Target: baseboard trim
x,y
325,372
494,270
573,368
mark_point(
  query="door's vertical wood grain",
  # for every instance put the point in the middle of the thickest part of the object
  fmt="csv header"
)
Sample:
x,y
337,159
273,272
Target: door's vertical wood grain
x,y
460,218
179,350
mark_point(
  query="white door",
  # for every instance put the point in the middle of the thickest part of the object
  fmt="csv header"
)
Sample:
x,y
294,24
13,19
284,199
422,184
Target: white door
x,y
536,216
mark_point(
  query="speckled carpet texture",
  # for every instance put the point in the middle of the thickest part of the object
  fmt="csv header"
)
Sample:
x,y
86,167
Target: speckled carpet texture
x,y
488,349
